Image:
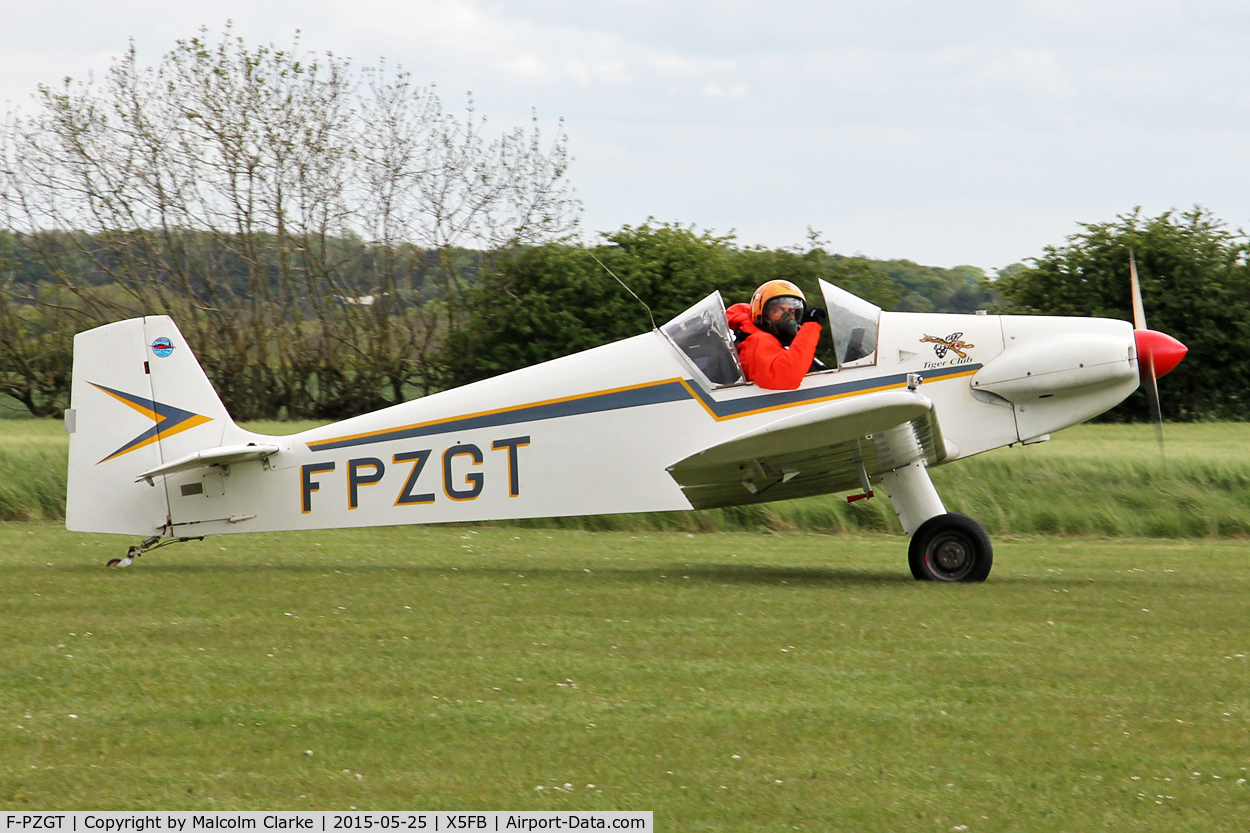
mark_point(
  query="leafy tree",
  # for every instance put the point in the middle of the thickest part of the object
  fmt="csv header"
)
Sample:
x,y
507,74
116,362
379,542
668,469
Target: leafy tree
x,y
541,303
865,278
805,269
281,205
1195,286
962,289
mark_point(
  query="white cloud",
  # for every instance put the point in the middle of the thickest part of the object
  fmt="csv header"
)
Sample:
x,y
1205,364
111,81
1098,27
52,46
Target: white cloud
x,y
1036,71
955,127
728,91
529,67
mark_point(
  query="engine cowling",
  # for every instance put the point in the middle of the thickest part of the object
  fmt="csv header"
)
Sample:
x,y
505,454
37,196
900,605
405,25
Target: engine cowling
x,y
1056,380
1037,370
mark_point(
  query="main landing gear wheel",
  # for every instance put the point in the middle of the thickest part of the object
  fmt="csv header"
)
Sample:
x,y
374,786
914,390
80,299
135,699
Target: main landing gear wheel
x,y
950,547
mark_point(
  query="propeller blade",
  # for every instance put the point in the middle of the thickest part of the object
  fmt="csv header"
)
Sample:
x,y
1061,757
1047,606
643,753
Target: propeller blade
x,y
1139,311
1157,353
1150,381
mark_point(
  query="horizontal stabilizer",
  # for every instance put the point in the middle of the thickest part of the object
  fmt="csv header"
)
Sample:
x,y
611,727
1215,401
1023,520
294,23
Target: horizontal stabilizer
x,y
815,452
223,456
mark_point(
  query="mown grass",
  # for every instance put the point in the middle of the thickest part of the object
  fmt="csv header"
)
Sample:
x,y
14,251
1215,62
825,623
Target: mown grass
x,y
727,682
1089,480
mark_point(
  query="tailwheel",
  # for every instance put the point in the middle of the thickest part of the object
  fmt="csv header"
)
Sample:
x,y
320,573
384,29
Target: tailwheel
x,y
950,547
131,555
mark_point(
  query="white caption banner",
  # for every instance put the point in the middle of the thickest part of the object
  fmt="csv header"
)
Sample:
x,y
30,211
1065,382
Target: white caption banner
x,y
327,822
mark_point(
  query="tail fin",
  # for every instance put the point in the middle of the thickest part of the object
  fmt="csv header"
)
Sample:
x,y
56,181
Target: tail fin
x,y
139,398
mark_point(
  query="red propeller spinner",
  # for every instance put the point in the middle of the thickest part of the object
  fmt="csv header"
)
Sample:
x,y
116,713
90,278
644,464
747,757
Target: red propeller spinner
x,y
1158,351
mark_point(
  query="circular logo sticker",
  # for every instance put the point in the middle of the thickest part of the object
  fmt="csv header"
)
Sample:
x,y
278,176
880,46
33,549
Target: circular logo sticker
x,y
162,347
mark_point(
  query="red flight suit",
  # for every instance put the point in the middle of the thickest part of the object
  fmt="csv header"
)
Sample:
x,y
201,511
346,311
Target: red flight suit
x,y
764,360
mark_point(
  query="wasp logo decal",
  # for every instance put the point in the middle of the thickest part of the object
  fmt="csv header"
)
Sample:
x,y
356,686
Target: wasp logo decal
x,y
169,420
953,342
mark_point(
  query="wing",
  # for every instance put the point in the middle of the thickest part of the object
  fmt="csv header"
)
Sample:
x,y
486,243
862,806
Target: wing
x,y
815,452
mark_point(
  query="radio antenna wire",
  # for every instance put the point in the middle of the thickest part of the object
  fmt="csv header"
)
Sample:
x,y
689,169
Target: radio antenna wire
x,y
622,283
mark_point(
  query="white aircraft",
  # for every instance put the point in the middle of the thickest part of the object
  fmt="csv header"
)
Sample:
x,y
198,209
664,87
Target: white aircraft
x,y
657,422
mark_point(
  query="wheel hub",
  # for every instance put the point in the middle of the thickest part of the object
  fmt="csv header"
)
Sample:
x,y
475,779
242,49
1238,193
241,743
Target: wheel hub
x,y
951,556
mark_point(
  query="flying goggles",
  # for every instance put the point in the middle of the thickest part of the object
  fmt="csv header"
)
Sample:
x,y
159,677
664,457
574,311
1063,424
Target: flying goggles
x,y
778,308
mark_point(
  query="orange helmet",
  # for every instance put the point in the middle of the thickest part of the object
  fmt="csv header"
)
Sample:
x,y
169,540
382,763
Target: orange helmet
x,y
769,291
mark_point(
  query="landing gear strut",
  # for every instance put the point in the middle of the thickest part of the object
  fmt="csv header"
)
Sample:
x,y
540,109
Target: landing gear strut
x,y
945,546
149,544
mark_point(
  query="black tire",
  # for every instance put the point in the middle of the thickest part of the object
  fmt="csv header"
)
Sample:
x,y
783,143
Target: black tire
x,y
950,547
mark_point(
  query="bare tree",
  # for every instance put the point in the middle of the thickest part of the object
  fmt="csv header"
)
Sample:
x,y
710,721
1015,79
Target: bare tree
x,y
301,219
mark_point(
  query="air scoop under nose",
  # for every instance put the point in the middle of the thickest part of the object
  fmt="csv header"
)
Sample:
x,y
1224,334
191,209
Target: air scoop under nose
x,y
1157,350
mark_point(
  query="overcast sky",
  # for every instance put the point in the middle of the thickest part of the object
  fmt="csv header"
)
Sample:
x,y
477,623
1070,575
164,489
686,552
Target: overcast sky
x,y
946,133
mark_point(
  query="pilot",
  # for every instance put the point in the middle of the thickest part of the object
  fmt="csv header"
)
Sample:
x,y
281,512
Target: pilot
x,y
777,335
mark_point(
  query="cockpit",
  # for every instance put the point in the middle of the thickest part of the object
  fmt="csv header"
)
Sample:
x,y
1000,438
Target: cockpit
x,y
703,336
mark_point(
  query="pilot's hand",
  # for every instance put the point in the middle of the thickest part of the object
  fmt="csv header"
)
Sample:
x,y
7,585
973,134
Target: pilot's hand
x,y
814,314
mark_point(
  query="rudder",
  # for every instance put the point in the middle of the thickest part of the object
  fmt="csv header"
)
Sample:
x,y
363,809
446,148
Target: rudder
x,y
138,398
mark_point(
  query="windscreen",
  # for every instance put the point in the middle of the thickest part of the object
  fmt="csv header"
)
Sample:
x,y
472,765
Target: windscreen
x,y
702,334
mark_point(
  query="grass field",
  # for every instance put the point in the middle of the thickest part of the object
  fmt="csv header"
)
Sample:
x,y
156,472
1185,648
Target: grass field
x,y
729,681
1104,480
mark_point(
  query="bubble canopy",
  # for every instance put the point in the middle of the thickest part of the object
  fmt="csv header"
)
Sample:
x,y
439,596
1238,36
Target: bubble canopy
x,y
853,325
